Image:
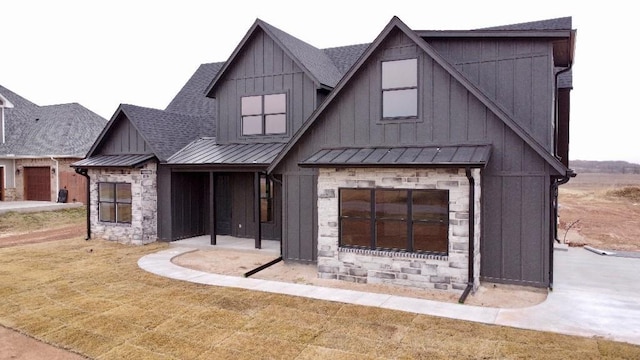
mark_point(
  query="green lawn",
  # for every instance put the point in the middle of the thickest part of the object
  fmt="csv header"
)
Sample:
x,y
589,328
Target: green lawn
x,y
91,297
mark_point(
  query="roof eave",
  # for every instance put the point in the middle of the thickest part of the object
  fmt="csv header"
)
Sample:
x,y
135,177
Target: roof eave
x,y
458,165
559,34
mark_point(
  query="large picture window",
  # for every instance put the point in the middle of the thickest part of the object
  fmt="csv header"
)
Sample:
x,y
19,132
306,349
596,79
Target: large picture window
x,y
114,202
400,89
412,220
264,114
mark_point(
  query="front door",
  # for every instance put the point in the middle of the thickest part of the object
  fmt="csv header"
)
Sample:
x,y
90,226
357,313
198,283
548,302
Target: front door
x,y
223,205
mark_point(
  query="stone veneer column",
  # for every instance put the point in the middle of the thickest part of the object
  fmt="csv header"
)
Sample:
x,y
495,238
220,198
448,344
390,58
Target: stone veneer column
x,y
144,200
448,272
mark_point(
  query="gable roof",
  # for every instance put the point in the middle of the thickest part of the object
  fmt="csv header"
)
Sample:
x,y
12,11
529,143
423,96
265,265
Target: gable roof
x,y
191,98
63,130
164,131
313,61
396,23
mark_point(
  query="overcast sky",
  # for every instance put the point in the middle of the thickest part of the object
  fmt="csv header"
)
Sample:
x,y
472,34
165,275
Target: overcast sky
x,y
104,53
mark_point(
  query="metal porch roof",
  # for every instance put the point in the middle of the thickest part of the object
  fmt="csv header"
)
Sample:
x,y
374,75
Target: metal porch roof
x,y
113,161
205,151
410,156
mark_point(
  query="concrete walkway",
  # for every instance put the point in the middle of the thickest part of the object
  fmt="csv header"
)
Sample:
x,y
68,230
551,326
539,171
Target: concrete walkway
x,y
594,295
34,206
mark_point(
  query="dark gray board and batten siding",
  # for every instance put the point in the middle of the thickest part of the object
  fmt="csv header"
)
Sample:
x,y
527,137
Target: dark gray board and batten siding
x,y
514,242
124,139
262,68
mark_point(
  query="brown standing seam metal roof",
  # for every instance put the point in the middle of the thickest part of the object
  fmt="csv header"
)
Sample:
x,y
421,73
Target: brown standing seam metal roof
x,y
462,155
113,161
205,151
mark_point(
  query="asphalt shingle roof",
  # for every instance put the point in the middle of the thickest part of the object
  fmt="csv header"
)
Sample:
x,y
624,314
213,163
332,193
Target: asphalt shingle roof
x,y
345,56
313,59
191,99
562,23
55,130
167,132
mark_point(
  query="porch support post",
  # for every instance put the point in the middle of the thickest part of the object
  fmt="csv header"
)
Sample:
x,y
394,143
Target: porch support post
x,y
212,206
256,208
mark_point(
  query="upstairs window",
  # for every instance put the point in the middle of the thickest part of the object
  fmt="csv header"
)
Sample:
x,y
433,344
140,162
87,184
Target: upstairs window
x,y
400,89
264,114
114,202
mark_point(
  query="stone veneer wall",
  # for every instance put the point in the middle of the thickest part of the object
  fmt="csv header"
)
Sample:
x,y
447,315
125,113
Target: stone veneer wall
x,y
144,226
399,268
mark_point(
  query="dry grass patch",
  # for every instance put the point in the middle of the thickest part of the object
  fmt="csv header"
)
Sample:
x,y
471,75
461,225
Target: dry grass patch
x,y
16,223
92,297
630,193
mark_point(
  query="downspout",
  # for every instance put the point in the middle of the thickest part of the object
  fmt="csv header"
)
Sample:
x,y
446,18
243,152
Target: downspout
x,y
85,173
472,216
57,175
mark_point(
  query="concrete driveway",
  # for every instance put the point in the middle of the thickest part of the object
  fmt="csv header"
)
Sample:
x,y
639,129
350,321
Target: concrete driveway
x,y
593,295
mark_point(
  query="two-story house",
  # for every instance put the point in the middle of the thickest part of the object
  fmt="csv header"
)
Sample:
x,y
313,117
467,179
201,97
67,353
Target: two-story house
x,y
425,158
37,145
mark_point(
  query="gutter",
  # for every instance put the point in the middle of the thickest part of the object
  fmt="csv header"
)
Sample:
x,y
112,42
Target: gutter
x,y
472,216
85,173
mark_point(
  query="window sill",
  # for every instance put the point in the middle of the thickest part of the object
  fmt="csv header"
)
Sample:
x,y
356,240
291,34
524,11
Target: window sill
x,y
390,253
109,223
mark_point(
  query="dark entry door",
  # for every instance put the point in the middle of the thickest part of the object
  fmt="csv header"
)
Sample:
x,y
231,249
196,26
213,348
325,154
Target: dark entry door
x,y
37,183
223,205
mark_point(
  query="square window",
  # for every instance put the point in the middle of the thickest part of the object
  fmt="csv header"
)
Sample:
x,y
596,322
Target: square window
x,y
252,125
114,202
275,124
251,105
264,114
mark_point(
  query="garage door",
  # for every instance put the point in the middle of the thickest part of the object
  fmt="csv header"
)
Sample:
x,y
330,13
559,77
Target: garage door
x,y
37,183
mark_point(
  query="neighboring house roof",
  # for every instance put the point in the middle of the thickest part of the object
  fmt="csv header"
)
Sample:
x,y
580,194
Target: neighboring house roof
x,y
191,99
396,23
423,156
64,130
206,151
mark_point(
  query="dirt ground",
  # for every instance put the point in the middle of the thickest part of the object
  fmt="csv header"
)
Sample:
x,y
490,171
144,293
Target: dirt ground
x,y
604,209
